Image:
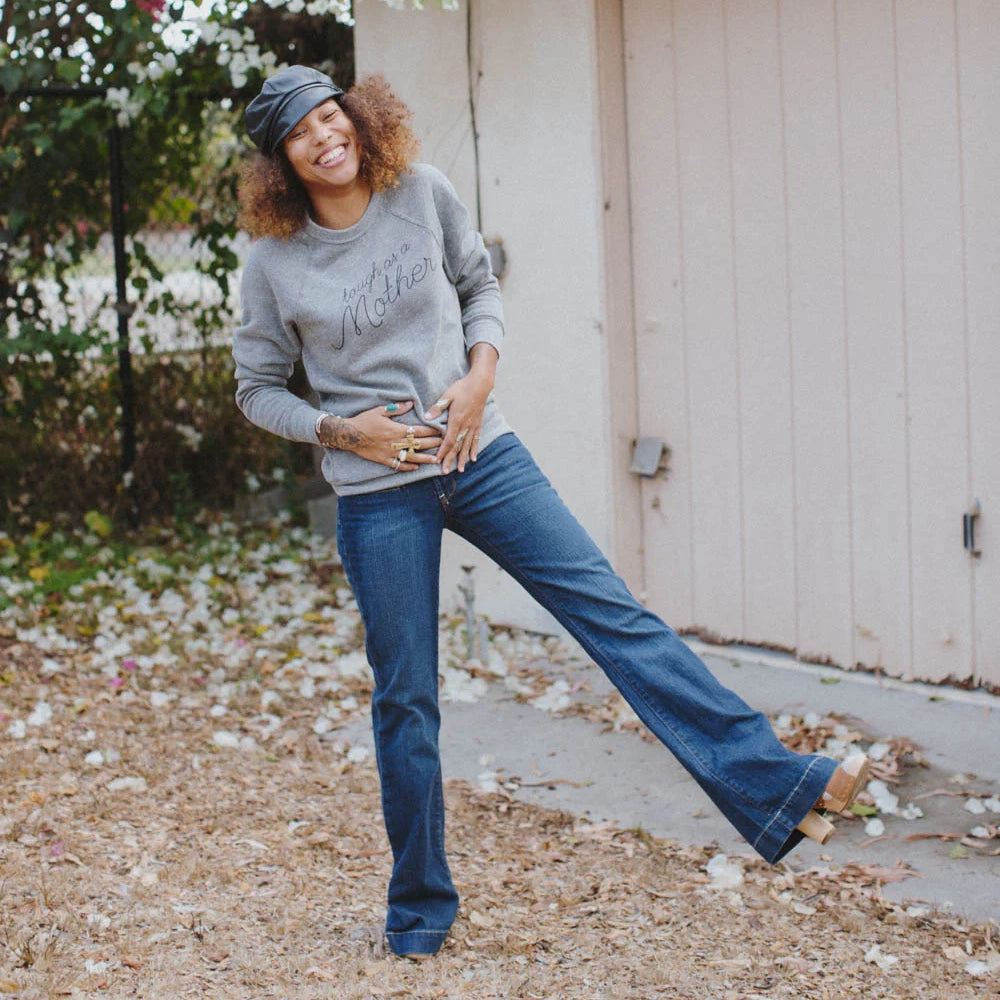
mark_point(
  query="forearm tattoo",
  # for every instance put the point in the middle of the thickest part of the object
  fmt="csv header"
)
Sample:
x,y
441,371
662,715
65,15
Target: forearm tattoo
x,y
335,432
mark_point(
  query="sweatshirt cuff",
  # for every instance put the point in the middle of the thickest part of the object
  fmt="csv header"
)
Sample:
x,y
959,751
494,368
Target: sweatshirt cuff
x,y
486,330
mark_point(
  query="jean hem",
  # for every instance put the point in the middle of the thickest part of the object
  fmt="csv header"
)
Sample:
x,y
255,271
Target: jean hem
x,y
416,942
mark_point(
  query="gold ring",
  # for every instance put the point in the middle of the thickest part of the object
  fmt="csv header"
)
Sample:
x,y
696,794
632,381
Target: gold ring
x,y
395,465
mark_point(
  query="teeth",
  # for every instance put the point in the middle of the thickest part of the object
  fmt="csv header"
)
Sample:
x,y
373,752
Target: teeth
x,y
331,156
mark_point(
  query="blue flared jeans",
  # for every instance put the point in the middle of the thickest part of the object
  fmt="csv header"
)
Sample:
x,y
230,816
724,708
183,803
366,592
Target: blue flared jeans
x,y
390,545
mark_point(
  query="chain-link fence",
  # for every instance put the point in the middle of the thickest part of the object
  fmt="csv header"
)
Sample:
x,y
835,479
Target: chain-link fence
x,y
164,301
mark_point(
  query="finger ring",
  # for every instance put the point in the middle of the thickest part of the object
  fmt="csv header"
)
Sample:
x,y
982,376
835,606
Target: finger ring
x,y
395,465
461,436
392,407
401,457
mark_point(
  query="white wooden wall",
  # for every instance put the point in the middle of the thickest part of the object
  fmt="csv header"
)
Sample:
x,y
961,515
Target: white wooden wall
x,y
816,279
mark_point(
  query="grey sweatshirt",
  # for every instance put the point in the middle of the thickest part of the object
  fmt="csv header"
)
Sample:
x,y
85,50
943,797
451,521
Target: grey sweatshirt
x,y
384,311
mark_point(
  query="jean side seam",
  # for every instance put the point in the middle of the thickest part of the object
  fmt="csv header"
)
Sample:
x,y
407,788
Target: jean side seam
x,y
788,798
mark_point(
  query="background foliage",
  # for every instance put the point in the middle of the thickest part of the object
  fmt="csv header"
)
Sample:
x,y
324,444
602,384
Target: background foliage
x,y
71,70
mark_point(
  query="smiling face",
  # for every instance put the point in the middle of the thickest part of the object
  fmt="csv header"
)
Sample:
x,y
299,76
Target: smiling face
x,y
324,152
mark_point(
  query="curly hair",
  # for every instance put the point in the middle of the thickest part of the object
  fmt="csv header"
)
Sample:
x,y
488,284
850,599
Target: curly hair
x,y
273,201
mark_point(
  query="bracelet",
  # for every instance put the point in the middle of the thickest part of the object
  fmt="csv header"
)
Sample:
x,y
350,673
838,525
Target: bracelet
x,y
319,421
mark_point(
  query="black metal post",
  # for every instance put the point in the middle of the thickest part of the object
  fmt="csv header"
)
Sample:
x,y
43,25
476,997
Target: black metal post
x,y
124,311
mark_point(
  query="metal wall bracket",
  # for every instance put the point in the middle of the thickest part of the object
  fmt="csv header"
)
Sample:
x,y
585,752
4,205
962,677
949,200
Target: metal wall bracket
x,y
649,456
969,528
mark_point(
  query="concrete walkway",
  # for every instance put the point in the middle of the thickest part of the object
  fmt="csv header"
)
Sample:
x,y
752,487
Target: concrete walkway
x,y
570,764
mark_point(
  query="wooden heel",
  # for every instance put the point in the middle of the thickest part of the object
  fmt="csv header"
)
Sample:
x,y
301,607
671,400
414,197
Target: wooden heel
x,y
815,827
848,780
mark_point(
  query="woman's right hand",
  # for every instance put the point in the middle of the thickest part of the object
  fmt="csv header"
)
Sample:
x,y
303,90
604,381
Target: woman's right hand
x,y
374,434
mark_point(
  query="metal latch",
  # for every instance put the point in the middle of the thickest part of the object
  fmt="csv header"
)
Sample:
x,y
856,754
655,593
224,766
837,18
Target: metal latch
x,y
649,456
969,528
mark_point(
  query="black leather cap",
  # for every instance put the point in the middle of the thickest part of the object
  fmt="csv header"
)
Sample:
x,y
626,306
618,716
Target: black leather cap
x,y
284,100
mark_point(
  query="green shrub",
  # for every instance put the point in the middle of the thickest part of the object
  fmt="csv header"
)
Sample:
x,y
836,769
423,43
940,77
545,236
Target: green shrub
x,y
61,451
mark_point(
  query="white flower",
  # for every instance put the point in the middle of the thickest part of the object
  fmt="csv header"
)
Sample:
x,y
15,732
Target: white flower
x,y
192,437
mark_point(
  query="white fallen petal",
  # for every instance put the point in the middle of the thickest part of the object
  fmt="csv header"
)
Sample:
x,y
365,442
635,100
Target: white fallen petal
x,y
992,803
980,831
95,758
879,751
724,874
555,698
911,811
160,699
18,729
128,784
884,962
41,715
977,968
322,725
224,738
487,781
974,806
357,754
95,968
874,827
885,801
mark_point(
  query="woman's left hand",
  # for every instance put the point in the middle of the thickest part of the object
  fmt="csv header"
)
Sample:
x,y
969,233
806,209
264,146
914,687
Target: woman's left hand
x,y
465,401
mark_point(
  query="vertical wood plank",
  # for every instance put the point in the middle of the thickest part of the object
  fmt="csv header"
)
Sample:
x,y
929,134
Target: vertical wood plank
x,y
657,273
979,54
710,332
816,314
875,345
760,273
933,284
616,264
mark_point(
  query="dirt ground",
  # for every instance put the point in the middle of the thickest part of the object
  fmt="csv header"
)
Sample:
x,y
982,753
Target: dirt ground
x,y
180,819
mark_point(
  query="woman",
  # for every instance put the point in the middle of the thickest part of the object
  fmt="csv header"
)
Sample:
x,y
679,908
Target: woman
x,y
369,271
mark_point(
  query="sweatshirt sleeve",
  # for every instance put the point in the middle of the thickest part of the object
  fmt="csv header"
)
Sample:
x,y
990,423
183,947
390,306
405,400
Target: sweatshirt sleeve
x,y
265,349
467,264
